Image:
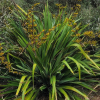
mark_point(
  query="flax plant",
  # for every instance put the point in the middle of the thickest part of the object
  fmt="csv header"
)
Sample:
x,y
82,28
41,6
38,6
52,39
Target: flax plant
x,y
48,61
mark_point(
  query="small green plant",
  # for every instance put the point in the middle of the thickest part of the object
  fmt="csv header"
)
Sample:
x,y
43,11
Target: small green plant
x,y
47,60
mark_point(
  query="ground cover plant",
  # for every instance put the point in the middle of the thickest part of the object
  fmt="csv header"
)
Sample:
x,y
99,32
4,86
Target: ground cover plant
x,y
48,58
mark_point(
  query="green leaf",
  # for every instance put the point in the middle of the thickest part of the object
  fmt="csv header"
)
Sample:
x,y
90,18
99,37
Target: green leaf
x,y
21,9
29,96
84,85
28,90
26,84
75,90
20,84
86,64
33,71
87,56
50,97
67,79
68,66
25,70
53,87
78,66
64,93
76,97
35,95
9,91
43,87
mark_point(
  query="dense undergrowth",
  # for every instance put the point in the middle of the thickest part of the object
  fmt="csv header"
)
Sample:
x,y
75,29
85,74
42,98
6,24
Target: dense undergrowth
x,y
47,55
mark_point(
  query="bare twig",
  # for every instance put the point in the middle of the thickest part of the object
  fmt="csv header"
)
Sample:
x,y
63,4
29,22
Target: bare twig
x,y
93,88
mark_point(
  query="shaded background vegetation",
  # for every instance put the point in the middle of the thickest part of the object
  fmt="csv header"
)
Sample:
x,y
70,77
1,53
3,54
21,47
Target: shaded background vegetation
x,y
89,14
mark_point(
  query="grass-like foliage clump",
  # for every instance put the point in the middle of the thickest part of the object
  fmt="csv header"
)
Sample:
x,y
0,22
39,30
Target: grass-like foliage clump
x,y
48,59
